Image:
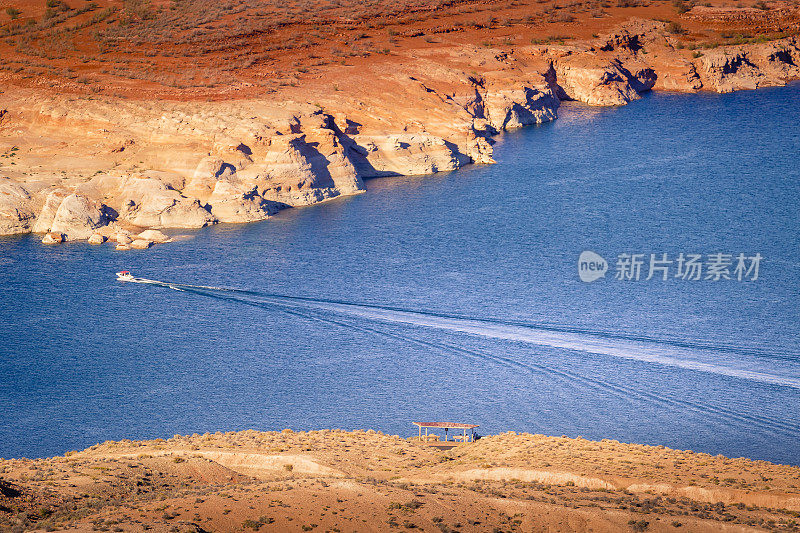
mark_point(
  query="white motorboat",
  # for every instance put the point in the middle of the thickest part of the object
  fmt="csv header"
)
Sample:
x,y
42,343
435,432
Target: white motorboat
x,y
125,276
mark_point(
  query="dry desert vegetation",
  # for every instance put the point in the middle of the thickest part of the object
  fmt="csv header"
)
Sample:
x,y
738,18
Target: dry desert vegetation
x,y
118,117
201,49
333,480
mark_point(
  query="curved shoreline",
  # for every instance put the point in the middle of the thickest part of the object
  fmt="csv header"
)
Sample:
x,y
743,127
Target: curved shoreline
x,y
107,170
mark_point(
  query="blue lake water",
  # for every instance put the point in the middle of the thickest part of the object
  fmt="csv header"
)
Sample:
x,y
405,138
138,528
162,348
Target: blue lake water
x,y
468,305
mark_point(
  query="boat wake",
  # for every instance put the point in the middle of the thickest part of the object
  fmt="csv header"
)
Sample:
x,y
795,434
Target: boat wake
x,y
697,357
771,424
368,319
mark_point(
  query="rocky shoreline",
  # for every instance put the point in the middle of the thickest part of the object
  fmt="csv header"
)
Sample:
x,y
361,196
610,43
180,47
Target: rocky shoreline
x,y
102,169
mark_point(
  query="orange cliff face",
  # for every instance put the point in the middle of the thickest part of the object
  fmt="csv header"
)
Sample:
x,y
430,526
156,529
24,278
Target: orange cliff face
x,y
118,117
363,480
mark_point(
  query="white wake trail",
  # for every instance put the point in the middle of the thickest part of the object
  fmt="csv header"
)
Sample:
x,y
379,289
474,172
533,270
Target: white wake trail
x,y
635,350
648,352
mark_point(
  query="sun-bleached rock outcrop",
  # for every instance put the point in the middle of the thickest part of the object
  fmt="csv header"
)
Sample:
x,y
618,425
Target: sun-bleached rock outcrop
x,y
478,148
779,59
301,169
603,84
677,74
148,202
141,244
78,217
510,108
728,69
342,172
52,238
405,154
212,169
48,213
123,238
209,170
16,208
153,235
232,203
647,51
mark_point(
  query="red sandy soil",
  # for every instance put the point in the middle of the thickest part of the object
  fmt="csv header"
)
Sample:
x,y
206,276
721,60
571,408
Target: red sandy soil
x,y
332,480
210,50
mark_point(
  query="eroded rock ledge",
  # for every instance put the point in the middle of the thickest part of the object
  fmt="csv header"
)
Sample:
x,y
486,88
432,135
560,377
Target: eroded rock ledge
x,y
78,168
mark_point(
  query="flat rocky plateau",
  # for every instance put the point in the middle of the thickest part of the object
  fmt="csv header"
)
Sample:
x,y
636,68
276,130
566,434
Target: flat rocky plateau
x,y
333,480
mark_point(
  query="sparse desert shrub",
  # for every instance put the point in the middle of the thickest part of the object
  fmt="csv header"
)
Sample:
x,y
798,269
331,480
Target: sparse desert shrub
x,y
102,15
560,39
675,28
413,505
640,525
13,13
135,10
681,6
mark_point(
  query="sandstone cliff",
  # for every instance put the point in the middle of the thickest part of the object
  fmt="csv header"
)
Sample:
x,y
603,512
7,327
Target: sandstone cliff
x,y
108,168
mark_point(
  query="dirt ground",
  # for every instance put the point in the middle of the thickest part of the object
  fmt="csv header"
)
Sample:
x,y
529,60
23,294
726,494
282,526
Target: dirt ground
x,y
204,50
332,480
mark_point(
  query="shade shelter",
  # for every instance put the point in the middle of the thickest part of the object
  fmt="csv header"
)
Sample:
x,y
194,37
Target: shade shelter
x,y
446,426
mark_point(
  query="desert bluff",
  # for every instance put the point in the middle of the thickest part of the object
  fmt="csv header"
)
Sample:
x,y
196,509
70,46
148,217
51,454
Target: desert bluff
x,y
108,167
